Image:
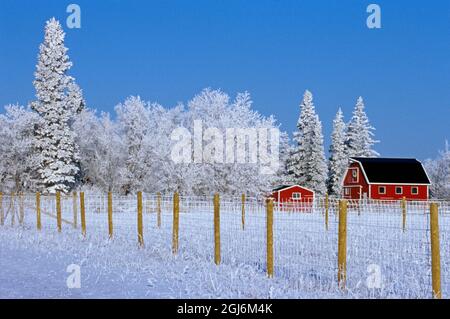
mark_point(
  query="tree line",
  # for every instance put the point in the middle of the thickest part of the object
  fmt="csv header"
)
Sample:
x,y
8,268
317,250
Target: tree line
x,y
58,143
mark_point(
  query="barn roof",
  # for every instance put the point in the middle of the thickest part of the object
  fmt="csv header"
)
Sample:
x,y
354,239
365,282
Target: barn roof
x,y
281,187
393,170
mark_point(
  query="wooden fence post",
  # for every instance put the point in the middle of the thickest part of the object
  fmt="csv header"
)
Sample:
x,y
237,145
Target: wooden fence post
x,y
404,213
110,215
158,210
139,220
58,210
75,209
176,212
216,229
435,251
342,244
21,208
38,211
327,206
11,208
269,237
83,214
243,211
2,213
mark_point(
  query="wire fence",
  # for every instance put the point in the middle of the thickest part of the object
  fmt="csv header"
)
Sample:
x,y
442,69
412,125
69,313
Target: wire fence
x,y
388,251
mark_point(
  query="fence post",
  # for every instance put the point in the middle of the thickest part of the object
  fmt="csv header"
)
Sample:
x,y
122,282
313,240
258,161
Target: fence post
x,y
75,210
58,210
158,210
176,212
216,229
269,236
342,244
435,251
2,213
327,206
38,211
21,209
83,214
243,211
11,206
139,220
404,213
110,215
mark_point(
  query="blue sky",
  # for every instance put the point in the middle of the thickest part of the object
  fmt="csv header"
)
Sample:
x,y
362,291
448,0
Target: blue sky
x,y
167,51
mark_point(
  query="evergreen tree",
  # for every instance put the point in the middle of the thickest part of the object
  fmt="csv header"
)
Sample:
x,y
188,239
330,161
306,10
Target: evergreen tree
x,y
338,160
360,136
57,155
307,164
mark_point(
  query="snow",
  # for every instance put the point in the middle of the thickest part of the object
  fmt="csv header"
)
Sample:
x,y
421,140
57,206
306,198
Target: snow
x,y
34,266
34,263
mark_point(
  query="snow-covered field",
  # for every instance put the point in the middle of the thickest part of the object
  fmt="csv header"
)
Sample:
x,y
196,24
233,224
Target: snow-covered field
x,y
33,264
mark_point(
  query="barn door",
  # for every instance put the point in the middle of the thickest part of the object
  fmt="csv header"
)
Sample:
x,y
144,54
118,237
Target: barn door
x,y
356,192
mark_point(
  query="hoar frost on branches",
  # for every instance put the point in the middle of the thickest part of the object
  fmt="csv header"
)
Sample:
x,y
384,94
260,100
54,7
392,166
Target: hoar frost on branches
x,y
338,160
215,110
16,150
58,99
307,163
134,121
102,151
360,134
439,172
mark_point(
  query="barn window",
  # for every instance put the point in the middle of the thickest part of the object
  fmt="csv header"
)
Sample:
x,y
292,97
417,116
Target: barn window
x,y
296,195
346,191
382,190
354,175
414,190
398,190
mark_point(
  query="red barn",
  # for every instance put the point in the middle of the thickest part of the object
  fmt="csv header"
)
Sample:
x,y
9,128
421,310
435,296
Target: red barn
x,y
385,178
292,197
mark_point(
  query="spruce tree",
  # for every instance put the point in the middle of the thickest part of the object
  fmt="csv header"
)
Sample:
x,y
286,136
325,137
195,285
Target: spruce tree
x,y
338,160
307,164
54,141
360,136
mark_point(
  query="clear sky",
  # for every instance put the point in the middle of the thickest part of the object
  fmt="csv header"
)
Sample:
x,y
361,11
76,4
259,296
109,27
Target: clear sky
x,y
166,51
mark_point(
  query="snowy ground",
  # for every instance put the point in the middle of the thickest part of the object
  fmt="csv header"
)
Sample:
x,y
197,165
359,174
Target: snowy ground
x,y
33,264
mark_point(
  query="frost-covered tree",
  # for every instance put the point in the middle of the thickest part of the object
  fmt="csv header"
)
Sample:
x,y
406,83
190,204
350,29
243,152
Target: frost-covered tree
x,y
307,163
163,174
16,152
246,175
231,174
102,151
134,122
54,141
439,172
360,136
338,160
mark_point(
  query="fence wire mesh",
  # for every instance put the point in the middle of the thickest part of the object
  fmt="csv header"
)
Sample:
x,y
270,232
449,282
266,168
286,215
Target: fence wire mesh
x,y
388,251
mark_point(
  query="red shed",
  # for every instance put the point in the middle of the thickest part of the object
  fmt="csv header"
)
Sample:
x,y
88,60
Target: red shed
x,y
385,178
292,196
